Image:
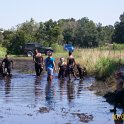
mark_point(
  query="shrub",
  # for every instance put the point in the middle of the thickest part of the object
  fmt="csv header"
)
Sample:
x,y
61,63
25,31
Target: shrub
x,y
57,48
3,51
105,67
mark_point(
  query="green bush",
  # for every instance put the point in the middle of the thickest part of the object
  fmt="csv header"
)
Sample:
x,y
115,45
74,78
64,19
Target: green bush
x,y
57,48
3,51
113,46
105,67
118,46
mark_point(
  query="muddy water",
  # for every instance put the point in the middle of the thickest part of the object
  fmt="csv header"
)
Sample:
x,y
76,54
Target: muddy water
x,y
26,99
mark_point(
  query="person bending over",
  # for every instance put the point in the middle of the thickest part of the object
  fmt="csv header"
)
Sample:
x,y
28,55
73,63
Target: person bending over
x,y
7,65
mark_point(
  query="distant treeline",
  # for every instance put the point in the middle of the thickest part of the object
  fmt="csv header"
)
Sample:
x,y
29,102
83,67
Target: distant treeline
x,y
81,33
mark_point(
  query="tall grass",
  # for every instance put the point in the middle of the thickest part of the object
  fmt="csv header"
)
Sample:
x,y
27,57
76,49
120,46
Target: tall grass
x,y
105,67
96,60
101,61
57,48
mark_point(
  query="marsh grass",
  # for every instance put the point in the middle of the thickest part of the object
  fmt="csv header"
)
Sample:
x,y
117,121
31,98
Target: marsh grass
x,y
100,62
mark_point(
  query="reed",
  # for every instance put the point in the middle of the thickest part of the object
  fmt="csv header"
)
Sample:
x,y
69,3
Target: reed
x,y
100,62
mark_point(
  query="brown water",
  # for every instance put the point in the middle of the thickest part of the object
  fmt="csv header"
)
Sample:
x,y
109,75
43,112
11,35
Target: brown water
x,y
26,99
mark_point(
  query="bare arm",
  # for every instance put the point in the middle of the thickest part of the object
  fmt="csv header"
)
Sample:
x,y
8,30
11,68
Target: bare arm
x,y
34,59
54,65
2,62
12,63
74,62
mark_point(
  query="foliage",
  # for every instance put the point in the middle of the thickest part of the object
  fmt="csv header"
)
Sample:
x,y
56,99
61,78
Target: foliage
x,y
57,48
118,46
2,51
105,67
118,35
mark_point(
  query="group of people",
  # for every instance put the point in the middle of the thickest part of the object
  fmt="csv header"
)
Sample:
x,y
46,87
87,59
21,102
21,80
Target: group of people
x,y
66,69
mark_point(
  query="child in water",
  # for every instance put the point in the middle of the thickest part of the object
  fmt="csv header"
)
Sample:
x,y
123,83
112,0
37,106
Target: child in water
x,y
62,68
50,66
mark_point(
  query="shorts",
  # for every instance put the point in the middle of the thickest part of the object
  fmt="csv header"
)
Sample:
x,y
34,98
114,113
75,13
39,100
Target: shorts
x,y
50,71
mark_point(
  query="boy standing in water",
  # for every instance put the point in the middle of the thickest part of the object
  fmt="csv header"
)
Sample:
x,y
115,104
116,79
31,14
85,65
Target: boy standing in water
x,y
7,65
50,66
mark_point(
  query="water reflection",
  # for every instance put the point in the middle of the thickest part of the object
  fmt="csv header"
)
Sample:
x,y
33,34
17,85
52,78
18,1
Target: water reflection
x,y
37,87
62,86
50,93
80,87
7,86
70,91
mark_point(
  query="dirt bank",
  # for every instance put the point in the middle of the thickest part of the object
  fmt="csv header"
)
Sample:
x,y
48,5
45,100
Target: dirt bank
x,y
103,87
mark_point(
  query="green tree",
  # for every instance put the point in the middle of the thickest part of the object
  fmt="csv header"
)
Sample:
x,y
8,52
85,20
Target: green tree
x,y
118,35
1,36
48,32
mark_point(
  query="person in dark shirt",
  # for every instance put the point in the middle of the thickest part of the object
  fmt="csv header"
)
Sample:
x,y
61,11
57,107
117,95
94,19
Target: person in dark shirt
x,y
8,64
70,65
38,60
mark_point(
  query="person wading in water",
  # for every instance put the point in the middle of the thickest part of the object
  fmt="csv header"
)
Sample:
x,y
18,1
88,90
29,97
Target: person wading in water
x,y
7,65
50,66
38,60
70,65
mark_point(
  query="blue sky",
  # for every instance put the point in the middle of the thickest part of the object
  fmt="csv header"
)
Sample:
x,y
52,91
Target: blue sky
x,y
13,12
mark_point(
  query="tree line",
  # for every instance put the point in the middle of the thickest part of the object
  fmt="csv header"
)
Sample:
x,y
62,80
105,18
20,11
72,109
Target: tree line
x,y
81,33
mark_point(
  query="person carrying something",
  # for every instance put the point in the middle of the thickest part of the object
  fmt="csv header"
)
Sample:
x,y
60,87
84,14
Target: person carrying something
x,y
38,60
62,68
7,65
119,92
50,66
70,65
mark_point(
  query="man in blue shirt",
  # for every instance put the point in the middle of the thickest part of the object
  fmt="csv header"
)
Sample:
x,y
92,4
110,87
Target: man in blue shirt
x,y
50,66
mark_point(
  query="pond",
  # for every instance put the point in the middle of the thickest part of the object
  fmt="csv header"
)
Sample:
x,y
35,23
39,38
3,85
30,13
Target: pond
x,y
27,99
